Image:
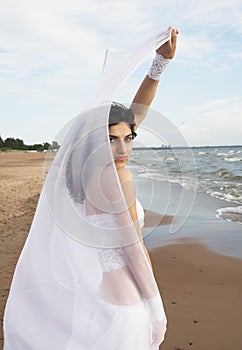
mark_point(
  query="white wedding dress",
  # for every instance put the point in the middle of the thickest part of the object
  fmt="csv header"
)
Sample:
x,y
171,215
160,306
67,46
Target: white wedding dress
x,y
130,323
55,301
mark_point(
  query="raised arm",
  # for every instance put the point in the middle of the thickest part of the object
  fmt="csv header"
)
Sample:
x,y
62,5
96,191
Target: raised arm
x,y
148,87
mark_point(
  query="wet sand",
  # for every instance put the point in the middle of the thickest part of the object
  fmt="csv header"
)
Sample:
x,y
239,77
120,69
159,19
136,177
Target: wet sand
x,y
202,294
198,268
201,289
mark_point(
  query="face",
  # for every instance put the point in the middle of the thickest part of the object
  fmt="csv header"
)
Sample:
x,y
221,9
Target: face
x,y
120,136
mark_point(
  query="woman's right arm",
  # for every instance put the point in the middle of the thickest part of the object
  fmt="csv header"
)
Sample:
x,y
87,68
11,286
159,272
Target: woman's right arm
x,y
148,87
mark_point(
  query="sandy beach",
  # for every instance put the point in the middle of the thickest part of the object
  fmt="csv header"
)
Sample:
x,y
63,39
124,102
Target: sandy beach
x,y
198,269
21,177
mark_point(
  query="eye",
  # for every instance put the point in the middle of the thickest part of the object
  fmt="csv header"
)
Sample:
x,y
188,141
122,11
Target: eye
x,y
112,139
128,139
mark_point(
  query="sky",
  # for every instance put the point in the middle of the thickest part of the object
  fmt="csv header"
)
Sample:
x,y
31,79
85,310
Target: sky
x,y
52,52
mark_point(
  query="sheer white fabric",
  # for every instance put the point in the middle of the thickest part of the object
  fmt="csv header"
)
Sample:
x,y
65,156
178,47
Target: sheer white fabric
x,y
61,298
113,258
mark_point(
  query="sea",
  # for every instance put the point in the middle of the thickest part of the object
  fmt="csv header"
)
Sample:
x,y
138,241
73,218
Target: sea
x,y
216,171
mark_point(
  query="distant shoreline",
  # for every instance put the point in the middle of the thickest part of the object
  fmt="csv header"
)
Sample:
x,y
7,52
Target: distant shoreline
x,y
163,147
183,147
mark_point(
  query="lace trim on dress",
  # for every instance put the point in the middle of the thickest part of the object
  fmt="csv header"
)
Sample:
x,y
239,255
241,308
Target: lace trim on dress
x,y
112,258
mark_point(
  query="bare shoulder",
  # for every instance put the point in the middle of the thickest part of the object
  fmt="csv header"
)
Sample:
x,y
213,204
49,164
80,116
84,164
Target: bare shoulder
x,y
125,175
126,179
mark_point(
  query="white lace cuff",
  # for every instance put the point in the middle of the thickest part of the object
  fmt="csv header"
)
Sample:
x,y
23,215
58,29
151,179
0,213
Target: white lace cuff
x,y
158,66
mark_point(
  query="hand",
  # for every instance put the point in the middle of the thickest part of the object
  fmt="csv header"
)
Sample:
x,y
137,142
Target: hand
x,y
168,49
158,333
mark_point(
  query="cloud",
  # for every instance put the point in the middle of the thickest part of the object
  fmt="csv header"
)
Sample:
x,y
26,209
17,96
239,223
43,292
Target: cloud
x,y
64,36
51,52
71,33
217,122
213,14
236,55
196,48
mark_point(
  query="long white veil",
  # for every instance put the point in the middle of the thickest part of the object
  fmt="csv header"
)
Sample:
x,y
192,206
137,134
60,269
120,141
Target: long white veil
x,y
81,210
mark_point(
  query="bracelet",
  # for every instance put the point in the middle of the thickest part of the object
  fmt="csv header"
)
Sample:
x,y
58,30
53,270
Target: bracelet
x,y
158,66
156,308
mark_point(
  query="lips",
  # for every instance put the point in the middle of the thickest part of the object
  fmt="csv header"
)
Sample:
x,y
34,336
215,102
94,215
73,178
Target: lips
x,y
121,159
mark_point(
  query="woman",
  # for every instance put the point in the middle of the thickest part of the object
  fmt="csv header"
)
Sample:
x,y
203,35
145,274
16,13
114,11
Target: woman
x,y
84,279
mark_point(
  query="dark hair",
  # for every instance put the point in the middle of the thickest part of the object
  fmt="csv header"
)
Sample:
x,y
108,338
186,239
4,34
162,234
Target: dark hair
x,y
121,114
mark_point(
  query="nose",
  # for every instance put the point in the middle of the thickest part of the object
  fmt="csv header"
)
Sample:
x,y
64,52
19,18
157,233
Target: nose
x,y
121,147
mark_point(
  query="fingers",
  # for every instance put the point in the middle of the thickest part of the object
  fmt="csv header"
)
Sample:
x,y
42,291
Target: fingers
x,y
174,33
174,30
168,49
173,41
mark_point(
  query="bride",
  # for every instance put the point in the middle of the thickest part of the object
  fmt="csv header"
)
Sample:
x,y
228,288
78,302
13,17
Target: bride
x,y
84,279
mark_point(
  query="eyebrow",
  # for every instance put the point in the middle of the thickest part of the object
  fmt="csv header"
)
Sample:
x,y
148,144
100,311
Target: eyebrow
x,y
116,137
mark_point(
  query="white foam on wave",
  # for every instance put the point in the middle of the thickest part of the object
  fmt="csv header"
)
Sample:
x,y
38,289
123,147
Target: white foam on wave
x,y
222,154
216,194
232,214
226,196
234,210
169,158
235,159
190,186
154,176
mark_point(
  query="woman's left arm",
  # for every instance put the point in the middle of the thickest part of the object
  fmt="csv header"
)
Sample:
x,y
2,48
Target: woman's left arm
x,y
148,87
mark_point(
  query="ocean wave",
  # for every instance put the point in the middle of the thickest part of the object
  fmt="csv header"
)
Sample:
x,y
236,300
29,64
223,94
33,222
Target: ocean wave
x,y
229,197
224,173
190,186
170,158
222,154
225,153
228,175
235,159
154,176
233,214
217,173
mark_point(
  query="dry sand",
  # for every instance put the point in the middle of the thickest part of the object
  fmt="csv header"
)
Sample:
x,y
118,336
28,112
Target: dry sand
x,y
202,290
21,176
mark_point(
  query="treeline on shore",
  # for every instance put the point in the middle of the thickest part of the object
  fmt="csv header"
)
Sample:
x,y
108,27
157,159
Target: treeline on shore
x,y
11,143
